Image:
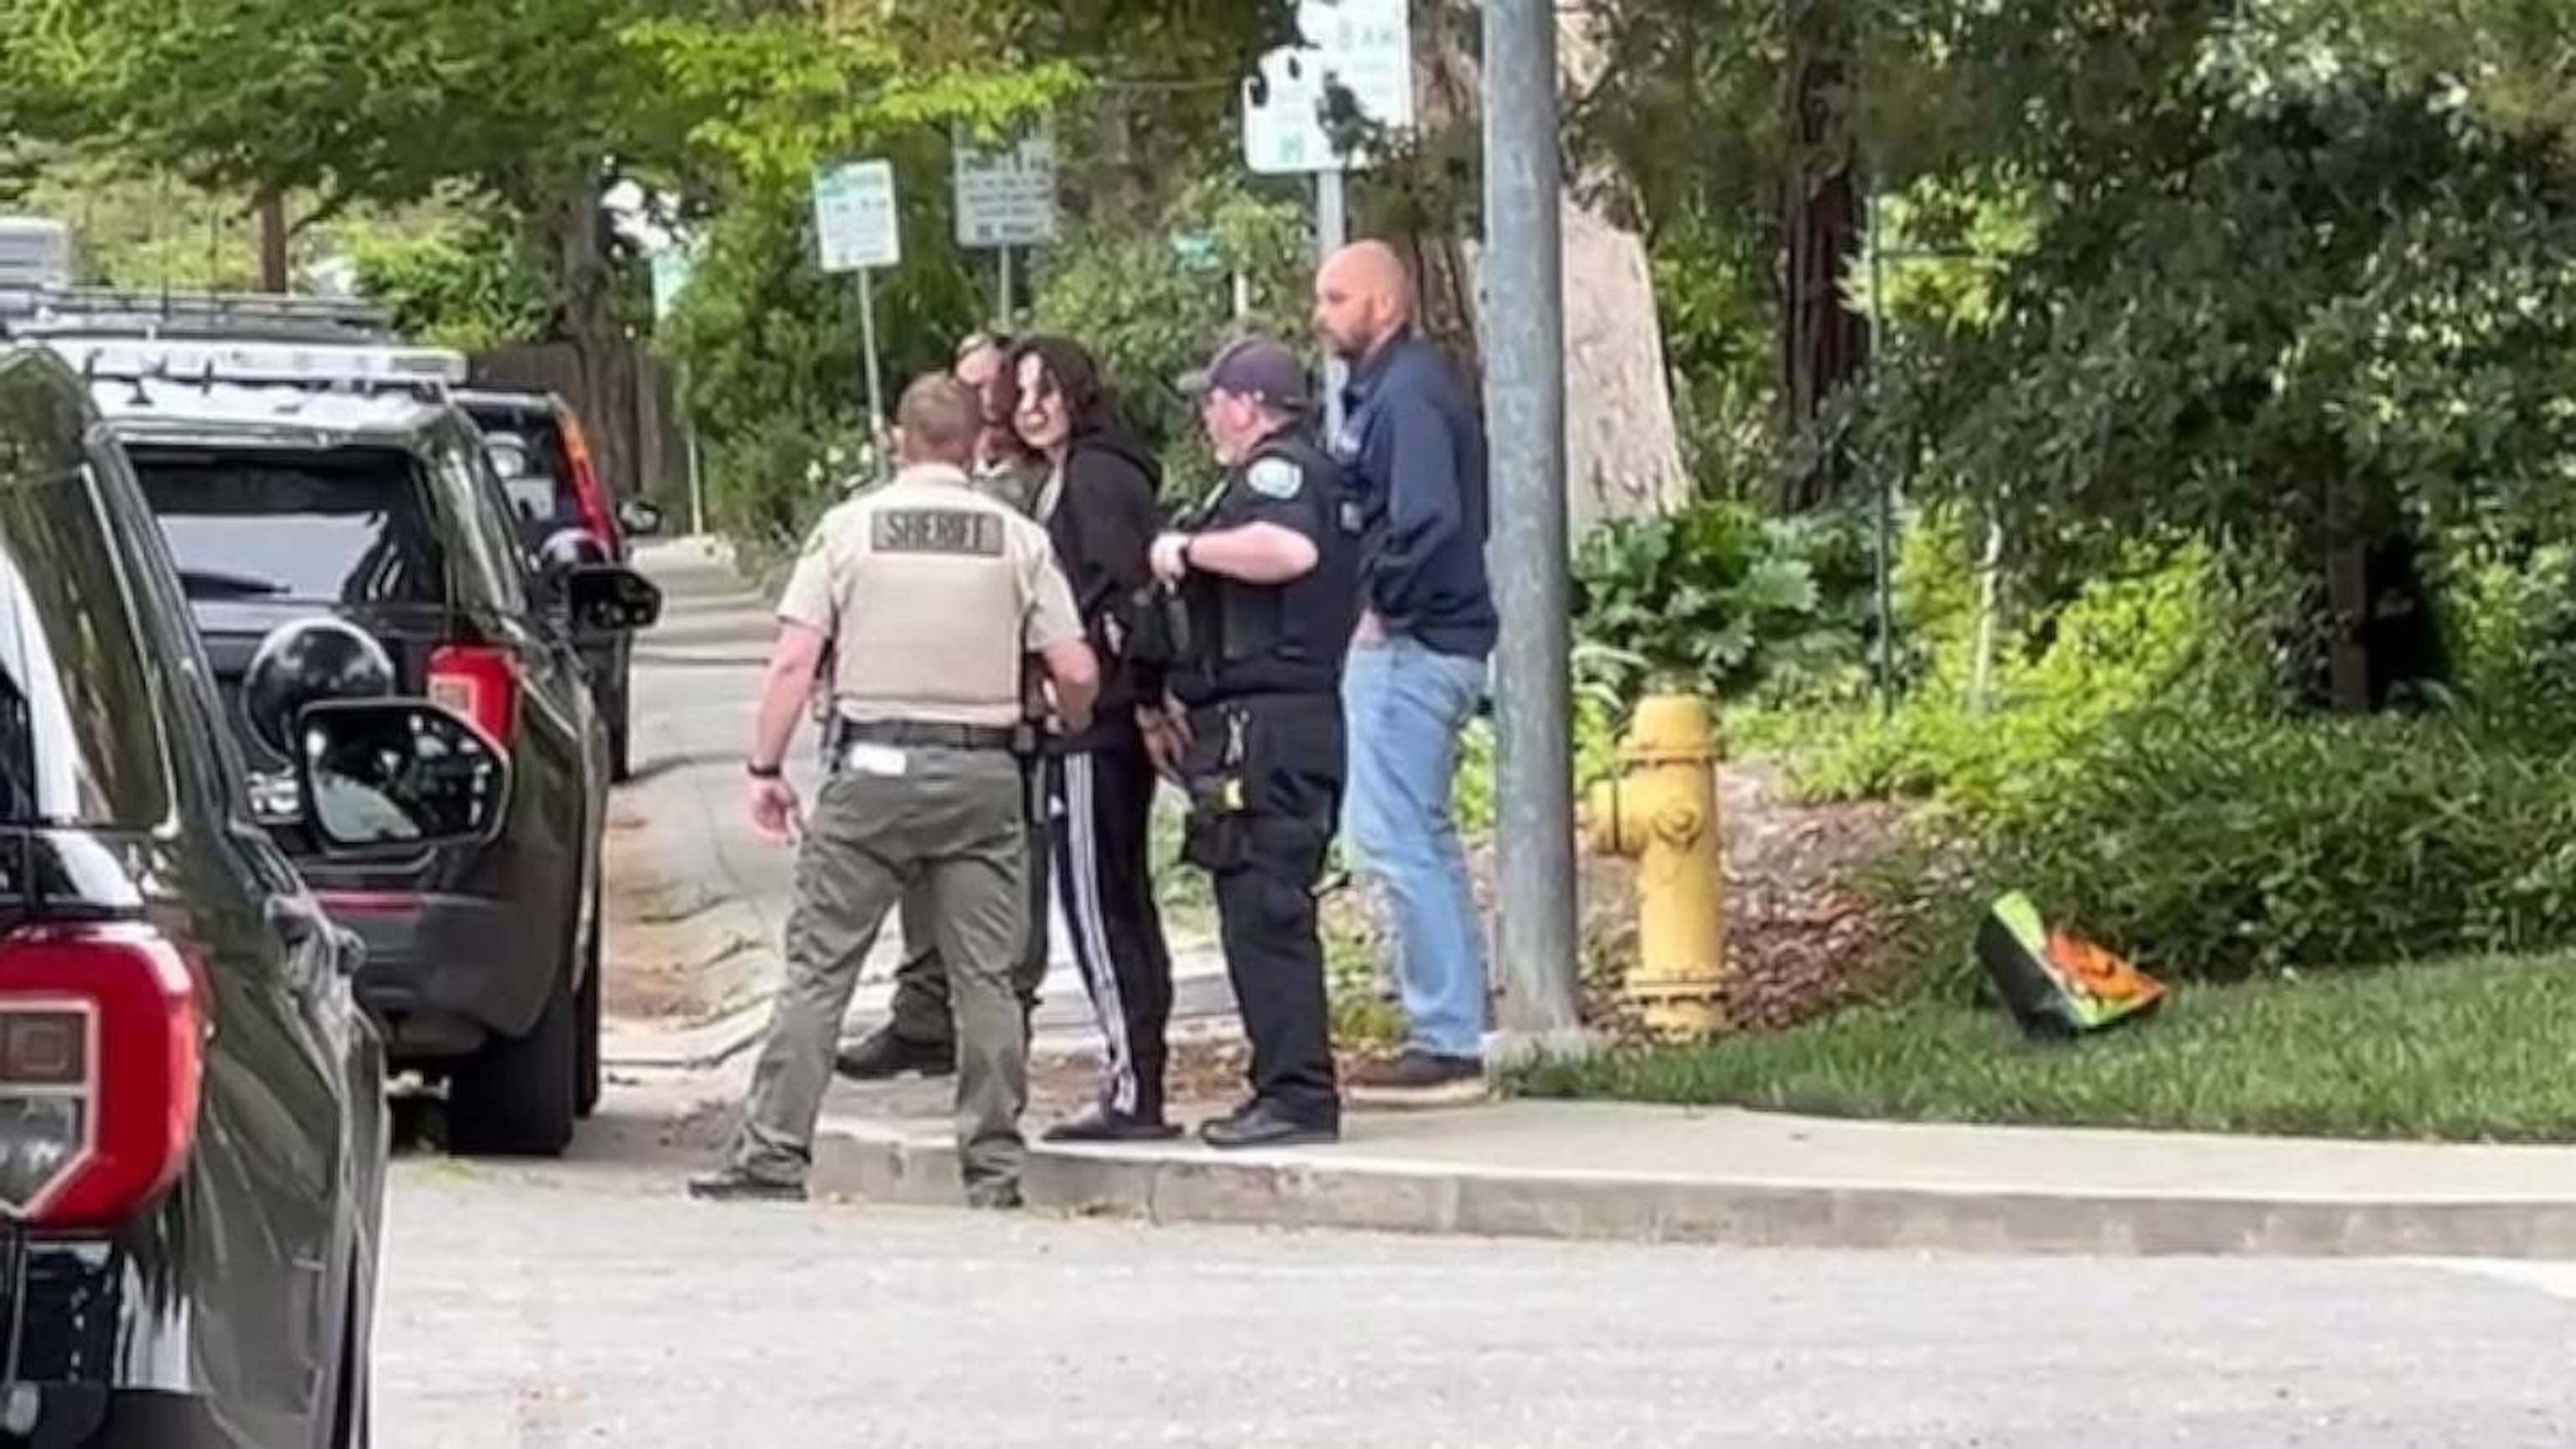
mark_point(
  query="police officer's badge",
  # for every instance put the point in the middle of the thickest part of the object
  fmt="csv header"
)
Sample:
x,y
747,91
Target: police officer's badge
x,y
1275,478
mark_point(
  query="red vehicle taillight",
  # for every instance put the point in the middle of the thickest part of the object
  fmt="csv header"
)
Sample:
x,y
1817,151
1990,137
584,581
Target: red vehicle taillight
x,y
586,488
102,1057
479,683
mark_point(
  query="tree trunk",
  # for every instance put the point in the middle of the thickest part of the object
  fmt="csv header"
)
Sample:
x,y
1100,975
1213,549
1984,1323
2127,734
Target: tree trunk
x,y
1125,191
2347,591
569,233
1824,344
1447,109
274,270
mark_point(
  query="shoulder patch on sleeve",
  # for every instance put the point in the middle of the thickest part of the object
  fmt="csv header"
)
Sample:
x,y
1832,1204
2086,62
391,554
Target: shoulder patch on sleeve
x,y
1276,478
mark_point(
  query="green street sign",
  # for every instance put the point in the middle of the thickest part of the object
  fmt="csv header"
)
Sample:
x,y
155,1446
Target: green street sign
x,y
1198,251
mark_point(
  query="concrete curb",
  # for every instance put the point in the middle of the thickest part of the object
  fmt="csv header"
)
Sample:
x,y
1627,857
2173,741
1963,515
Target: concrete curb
x,y
904,1164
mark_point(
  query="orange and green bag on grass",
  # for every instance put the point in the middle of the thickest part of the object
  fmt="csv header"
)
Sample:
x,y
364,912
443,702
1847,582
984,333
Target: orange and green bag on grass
x,y
2057,984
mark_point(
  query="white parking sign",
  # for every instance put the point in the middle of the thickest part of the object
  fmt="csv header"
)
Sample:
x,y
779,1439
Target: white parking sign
x,y
1365,46
1006,198
854,217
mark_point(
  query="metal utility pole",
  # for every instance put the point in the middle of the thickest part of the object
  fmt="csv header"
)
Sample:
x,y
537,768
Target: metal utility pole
x,y
1332,232
1524,283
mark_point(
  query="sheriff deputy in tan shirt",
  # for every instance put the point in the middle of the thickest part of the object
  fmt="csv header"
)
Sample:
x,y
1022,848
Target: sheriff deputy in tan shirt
x,y
930,594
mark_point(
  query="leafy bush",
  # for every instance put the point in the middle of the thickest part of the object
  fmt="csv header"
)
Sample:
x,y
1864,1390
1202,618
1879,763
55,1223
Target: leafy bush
x,y
2176,625
1720,599
1151,303
773,355
2224,847
467,286
2137,769
1599,713
2513,626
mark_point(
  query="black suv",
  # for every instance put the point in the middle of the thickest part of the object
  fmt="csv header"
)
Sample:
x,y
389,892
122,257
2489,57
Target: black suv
x,y
537,445
193,1129
323,480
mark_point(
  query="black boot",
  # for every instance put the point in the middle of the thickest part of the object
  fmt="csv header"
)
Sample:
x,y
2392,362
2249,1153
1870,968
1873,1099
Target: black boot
x,y
882,1056
1266,1124
732,1184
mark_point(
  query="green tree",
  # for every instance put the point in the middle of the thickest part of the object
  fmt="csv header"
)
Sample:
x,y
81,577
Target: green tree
x,y
2273,294
1153,297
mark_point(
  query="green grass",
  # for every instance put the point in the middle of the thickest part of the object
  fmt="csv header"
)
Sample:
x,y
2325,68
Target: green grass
x,y
2475,1051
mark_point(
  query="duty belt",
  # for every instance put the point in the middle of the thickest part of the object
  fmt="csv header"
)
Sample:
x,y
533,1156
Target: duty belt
x,y
917,735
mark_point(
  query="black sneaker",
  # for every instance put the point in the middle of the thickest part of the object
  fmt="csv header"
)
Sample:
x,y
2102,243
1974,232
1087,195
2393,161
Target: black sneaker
x,y
882,1056
1107,1124
1265,1125
1420,1079
735,1185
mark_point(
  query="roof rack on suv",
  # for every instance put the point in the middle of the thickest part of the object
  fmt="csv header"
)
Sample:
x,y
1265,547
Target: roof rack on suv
x,y
358,366
44,311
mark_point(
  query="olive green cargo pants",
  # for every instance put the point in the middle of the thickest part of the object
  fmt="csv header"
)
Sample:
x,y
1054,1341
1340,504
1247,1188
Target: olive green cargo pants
x,y
919,1014
950,824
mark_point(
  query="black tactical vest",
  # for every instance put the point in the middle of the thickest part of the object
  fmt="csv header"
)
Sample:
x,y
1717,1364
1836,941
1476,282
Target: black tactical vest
x,y
1245,638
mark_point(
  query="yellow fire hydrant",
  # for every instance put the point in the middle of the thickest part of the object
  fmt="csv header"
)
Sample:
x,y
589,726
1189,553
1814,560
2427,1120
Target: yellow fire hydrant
x,y
1662,813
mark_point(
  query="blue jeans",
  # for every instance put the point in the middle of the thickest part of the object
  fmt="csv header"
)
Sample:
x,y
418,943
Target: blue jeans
x,y
1405,707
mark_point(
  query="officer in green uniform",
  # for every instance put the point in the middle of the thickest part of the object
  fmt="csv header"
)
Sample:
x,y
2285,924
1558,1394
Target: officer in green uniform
x,y
932,596
916,1036
1266,579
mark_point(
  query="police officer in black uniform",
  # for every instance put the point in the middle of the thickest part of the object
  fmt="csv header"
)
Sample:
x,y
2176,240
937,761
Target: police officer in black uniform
x,y
1261,594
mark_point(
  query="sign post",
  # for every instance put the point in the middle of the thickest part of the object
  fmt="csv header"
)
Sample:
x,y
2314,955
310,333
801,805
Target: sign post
x,y
858,230
1005,199
1364,47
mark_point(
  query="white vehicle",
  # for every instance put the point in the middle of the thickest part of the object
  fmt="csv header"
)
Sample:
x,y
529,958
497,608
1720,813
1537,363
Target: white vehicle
x,y
35,253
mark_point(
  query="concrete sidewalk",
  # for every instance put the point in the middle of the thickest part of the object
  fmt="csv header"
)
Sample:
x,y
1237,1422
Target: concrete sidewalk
x,y
1611,1171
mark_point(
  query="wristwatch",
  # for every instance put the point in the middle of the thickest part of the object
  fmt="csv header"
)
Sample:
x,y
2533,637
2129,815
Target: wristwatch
x,y
763,772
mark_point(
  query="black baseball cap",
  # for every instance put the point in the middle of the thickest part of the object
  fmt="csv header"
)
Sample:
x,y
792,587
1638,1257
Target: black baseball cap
x,y
1253,367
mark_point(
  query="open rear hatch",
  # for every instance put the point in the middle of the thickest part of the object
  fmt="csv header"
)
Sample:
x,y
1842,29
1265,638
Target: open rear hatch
x,y
265,537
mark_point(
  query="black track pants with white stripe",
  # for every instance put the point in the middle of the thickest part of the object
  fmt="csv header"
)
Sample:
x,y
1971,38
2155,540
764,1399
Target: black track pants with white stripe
x,y
1103,801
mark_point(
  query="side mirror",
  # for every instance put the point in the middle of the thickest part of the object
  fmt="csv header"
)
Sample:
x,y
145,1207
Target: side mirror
x,y
612,599
405,774
639,518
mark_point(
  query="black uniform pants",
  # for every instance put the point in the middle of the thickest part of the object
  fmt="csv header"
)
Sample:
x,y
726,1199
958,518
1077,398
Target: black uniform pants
x,y
1265,778
1103,827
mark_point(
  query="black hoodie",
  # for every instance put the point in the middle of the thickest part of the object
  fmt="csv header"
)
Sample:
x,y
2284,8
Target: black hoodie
x,y
1103,518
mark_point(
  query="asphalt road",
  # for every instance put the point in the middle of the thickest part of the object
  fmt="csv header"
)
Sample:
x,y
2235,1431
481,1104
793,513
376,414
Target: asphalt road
x,y
589,1303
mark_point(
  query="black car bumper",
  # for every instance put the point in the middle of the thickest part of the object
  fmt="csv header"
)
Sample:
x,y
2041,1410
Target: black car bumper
x,y
444,972
87,1416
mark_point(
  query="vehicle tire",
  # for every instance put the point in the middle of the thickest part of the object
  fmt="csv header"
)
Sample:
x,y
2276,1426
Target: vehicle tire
x,y
588,1075
518,1096
621,763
